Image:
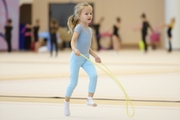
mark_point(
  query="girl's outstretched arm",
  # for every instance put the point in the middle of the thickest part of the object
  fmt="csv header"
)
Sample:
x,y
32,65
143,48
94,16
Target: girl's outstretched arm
x,y
135,28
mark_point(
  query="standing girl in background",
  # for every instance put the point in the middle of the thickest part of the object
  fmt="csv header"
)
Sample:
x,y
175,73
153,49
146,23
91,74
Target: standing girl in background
x,y
8,28
115,37
97,32
27,30
80,44
53,36
144,30
36,37
169,34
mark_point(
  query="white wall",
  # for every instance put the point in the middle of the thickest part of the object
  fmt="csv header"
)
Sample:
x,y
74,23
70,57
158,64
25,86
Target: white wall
x,y
172,9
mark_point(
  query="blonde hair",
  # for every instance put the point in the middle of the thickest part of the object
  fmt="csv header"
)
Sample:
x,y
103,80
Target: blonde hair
x,y
73,20
172,22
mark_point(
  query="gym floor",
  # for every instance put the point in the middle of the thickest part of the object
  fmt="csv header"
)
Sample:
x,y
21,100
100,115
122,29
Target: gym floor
x,y
32,86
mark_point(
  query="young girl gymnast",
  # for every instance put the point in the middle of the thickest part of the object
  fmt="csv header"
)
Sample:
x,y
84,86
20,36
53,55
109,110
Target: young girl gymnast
x,y
78,24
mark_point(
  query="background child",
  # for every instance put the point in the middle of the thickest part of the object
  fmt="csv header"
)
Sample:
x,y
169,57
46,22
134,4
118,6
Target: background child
x,y
80,43
169,34
97,32
8,28
27,31
144,30
36,31
53,35
115,35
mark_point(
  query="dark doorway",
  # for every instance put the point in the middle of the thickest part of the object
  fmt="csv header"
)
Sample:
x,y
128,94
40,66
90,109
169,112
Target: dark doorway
x,y
62,11
26,14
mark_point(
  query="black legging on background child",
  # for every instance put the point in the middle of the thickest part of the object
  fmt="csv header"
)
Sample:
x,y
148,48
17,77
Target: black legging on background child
x,y
96,28
53,36
169,36
36,30
36,37
8,37
28,37
54,42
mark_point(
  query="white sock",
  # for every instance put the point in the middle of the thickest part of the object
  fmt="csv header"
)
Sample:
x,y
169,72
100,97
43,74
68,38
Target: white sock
x,y
66,108
89,98
90,102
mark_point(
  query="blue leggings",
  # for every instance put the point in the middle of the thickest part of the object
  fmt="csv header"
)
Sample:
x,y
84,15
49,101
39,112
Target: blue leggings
x,y
75,63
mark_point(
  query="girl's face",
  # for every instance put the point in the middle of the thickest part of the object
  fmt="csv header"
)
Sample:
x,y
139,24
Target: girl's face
x,y
86,15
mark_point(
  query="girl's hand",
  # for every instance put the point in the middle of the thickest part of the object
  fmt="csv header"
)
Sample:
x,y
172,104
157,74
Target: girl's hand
x,y
76,52
98,59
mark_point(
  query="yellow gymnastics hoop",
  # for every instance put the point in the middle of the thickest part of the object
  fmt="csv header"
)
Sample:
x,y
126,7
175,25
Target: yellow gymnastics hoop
x,y
107,71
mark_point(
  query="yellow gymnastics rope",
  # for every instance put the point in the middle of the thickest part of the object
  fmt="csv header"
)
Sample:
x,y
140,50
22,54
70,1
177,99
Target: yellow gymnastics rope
x,y
107,71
